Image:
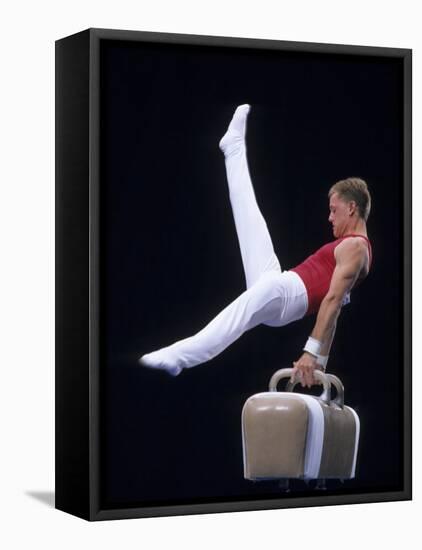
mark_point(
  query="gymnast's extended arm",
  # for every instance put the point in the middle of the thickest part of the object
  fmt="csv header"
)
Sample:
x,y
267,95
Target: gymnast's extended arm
x,y
350,259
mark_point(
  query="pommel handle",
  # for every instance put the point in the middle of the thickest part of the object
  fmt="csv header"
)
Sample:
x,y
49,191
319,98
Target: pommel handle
x,y
318,375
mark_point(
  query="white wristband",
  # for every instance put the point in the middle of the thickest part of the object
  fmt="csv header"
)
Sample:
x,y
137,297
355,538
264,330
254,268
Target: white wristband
x,y
322,361
313,346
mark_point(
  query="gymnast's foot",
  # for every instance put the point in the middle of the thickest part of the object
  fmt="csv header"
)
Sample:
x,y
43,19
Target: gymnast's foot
x,y
158,360
236,131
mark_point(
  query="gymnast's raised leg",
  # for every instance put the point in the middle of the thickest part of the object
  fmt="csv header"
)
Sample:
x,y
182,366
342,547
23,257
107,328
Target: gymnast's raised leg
x,y
255,243
270,296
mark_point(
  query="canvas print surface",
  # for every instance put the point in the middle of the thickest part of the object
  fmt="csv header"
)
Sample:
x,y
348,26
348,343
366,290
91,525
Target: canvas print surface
x,y
221,233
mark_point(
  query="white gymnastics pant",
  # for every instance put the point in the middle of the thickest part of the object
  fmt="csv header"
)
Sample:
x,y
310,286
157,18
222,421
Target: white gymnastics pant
x,y
272,297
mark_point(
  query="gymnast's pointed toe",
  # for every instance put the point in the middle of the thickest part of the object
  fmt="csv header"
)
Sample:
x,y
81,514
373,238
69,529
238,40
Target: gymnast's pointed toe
x,y
154,361
234,137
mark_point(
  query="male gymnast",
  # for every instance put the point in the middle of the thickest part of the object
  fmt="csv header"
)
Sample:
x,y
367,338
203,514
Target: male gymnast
x,y
321,284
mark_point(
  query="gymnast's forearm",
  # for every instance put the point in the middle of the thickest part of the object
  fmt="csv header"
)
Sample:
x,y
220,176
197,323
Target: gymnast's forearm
x,y
326,323
326,346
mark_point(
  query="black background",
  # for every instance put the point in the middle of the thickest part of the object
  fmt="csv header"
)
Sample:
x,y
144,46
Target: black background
x,y
170,259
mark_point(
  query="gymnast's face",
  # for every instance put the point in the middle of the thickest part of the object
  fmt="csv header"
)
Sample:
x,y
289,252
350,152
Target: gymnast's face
x,y
340,215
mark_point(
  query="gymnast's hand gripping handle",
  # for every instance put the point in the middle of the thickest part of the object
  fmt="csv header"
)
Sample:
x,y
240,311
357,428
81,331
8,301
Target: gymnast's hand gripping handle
x,y
318,375
334,381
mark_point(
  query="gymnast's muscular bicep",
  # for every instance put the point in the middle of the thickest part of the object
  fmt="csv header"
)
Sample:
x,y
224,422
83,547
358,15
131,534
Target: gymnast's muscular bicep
x,y
350,259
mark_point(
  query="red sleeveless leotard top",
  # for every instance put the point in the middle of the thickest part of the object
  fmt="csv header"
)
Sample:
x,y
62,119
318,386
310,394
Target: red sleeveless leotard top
x,y
317,270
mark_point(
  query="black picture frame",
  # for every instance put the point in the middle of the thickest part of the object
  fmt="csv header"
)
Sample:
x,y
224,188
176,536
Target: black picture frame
x,y
80,391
